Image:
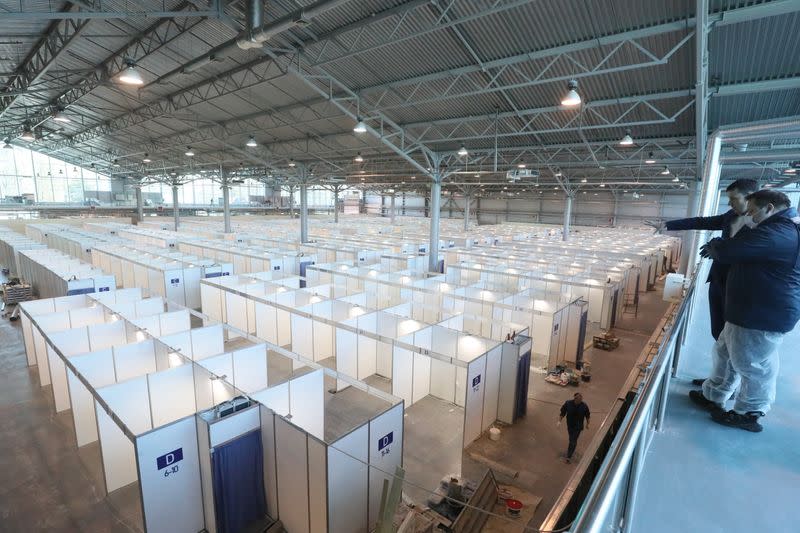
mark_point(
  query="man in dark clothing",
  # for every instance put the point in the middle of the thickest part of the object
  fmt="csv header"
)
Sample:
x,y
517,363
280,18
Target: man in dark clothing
x,y
729,223
762,304
575,411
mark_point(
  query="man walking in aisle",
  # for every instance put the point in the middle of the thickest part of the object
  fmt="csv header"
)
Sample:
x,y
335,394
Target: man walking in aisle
x,y
762,304
575,411
730,223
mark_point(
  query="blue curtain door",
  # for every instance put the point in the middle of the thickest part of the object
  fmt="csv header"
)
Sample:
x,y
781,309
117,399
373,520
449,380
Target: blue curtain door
x,y
238,469
523,379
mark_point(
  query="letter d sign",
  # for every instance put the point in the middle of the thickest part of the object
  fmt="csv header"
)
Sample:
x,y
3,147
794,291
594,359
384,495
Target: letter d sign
x,y
169,458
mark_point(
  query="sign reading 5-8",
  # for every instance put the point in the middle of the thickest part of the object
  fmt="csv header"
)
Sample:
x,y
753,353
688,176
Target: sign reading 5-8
x,y
168,462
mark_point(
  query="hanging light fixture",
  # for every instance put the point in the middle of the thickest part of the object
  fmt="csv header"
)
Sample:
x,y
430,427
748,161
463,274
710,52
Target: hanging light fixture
x,y
665,172
189,152
131,76
521,165
115,163
463,151
676,179
583,180
291,163
27,134
60,116
360,126
650,159
571,98
7,145
146,158
358,158
626,140
251,142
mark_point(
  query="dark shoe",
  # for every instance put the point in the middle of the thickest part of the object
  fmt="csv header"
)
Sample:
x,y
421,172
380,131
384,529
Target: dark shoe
x,y
697,397
698,382
748,421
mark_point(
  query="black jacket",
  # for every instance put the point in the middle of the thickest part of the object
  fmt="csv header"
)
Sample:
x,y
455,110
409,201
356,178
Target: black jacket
x,y
723,222
763,287
575,414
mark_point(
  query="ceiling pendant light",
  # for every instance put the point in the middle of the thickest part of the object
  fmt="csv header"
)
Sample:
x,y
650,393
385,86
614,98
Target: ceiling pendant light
x,y
131,76
626,140
291,163
251,142
463,151
115,163
521,165
146,158
665,172
27,134
189,152
676,179
360,126
60,116
7,145
572,98
358,158
650,159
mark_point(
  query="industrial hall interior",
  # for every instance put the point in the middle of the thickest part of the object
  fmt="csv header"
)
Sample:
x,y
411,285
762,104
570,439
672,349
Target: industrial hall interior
x,y
399,266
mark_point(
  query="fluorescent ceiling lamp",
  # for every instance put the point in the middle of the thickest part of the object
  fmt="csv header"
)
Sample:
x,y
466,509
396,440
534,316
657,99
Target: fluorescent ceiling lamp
x,y
60,116
626,140
131,76
602,184
790,171
572,98
146,158
463,151
360,127
521,165
358,158
676,178
650,160
665,172
115,163
27,135
291,163
189,152
558,174
583,180
251,142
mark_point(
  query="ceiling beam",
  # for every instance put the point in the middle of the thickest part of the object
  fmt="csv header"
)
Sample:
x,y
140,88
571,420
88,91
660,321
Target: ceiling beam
x,y
55,40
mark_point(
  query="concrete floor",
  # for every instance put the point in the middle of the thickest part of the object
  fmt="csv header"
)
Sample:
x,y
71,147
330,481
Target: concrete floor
x,y
534,446
719,479
433,440
48,484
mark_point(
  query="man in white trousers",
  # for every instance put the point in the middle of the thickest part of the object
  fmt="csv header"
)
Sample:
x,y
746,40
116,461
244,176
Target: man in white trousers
x,y
762,304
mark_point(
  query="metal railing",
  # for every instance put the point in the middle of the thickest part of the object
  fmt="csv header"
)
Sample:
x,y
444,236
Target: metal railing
x,y
611,499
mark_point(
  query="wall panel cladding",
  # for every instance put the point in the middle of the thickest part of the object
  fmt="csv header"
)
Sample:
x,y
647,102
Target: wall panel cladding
x,y
587,209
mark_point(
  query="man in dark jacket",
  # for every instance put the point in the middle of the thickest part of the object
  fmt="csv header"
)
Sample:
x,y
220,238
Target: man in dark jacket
x,y
729,223
576,412
762,304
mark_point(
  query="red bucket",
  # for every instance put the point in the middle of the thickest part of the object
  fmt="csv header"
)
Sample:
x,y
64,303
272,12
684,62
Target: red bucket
x,y
513,507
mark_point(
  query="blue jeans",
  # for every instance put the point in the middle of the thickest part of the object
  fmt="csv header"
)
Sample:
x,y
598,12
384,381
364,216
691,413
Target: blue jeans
x,y
749,356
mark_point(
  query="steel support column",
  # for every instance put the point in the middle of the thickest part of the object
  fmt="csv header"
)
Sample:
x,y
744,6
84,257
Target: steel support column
x,y
467,201
226,205
139,203
336,205
175,212
436,198
391,207
303,211
567,216
700,124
